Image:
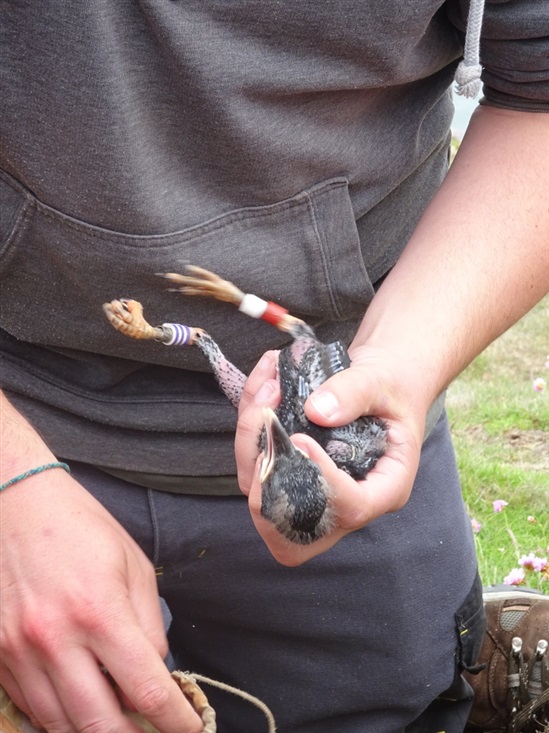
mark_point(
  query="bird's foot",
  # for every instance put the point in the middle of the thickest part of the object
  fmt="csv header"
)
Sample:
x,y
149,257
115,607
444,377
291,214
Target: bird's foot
x,y
205,283
127,317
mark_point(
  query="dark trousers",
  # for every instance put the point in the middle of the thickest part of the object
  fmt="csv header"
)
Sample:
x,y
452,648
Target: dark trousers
x,y
362,639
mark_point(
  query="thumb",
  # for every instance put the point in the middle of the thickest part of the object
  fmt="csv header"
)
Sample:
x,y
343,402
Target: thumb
x,y
341,399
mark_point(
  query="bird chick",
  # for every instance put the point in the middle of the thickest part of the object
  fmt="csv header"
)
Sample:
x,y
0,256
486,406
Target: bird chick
x,y
303,366
294,493
295,496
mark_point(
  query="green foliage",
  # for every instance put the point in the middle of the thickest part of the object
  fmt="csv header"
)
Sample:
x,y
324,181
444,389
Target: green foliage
x,y
501,433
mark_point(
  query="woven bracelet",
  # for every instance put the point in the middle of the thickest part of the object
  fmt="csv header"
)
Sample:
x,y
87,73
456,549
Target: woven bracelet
x,y
34,471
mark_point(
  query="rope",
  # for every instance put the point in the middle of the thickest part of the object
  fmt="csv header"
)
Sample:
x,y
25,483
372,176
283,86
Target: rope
x,y
239,693
467,77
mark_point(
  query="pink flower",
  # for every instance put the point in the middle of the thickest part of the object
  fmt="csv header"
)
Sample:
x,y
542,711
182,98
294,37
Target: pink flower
x,y
539,384
527,561
533,562
476,525
531,519
498,505
515,577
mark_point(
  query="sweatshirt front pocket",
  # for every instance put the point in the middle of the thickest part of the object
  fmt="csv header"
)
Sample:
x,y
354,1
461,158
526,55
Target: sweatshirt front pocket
x,y
302,252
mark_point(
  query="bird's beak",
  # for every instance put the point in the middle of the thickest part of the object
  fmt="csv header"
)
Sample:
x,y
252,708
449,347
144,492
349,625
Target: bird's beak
x,y
276,442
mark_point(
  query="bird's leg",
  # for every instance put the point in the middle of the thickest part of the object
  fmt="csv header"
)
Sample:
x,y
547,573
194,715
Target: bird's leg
x,y
206,283
127,317
229,377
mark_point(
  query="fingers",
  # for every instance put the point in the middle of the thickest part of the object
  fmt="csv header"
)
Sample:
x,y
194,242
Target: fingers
x,y
387,487
371,386
10,685
354,503
132,649
67,691
40,704
264,370
283,550
261,390
145,681
342,398
82,699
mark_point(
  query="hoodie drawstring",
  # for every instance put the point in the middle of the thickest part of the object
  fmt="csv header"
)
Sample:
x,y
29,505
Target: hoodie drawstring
x,y
467,76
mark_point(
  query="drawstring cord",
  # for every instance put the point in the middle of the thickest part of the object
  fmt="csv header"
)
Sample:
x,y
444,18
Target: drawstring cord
x,y
467,77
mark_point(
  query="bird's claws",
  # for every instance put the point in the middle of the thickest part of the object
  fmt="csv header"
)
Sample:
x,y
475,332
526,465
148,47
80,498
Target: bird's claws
x,y
127,317
205,283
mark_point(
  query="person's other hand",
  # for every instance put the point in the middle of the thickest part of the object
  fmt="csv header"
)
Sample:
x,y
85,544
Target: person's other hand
x,y
371,386
79,597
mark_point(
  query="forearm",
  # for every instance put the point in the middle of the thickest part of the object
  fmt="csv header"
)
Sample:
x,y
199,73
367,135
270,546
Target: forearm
x,y
479,258
20,445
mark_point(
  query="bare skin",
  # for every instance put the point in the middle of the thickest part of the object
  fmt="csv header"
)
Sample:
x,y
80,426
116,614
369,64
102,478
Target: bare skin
x,y
477,262
87,597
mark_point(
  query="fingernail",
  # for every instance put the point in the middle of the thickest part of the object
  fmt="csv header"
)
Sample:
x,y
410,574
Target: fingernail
x,y
301,445
264,394
325,403
265,364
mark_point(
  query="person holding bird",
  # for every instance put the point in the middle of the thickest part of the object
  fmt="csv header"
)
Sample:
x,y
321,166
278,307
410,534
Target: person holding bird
x,y
300,153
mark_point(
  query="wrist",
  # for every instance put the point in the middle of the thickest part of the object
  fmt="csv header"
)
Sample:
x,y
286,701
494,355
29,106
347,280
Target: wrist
x,y
21,447
33,472
17,463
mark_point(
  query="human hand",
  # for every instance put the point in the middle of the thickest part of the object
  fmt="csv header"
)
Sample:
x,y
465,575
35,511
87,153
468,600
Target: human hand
x,y
371,386
79,595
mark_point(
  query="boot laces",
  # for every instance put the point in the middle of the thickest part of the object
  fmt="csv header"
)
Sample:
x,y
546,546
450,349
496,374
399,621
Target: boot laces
x,y
528,684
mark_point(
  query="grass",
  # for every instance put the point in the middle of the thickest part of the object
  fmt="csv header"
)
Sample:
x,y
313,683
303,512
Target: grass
x,y
501,433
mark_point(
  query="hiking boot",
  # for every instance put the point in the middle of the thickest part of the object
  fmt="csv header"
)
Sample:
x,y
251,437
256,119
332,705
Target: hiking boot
x,y
512,689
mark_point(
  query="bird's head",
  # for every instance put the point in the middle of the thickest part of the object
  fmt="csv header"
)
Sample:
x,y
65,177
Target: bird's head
x,y
295,497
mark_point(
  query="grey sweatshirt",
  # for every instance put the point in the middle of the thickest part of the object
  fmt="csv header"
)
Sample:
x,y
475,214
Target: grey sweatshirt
x,y
291,147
